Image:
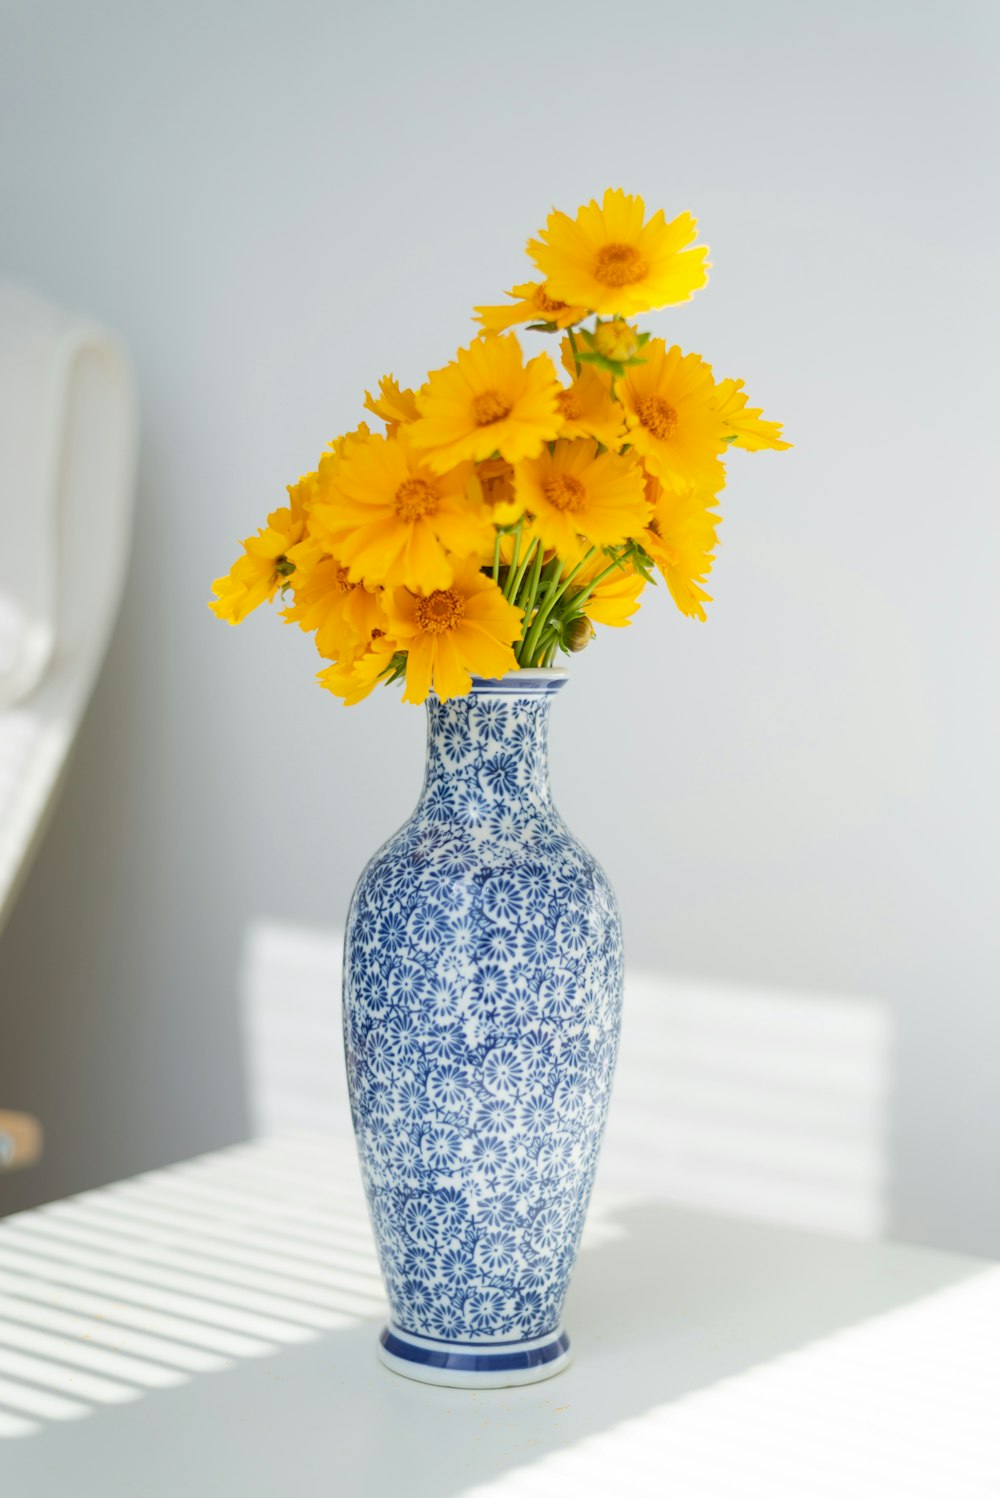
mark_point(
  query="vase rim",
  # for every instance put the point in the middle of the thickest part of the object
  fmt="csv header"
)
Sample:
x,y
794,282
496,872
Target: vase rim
x,y
533,680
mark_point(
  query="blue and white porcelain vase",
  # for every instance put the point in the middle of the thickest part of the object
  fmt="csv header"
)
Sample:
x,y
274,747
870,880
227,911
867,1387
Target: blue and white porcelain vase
x,y
482,1007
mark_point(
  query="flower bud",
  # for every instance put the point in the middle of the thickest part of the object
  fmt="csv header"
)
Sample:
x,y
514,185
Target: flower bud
x,y
616,340
578,633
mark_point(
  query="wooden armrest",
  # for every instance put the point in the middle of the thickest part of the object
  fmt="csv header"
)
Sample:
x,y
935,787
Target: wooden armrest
x,y
20,1140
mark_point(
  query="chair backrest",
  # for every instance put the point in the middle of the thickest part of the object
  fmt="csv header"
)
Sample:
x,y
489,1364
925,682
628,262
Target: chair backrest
x,y
758,1102
68,437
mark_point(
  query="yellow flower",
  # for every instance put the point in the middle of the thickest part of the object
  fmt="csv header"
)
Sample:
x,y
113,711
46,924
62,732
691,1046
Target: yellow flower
x,y
614,600
608,260
354,679
450,632
674,422
265,565
487,401
747,428
393,520
569,361
681,539
343,614
573,492
395,406
496,478
533,304
307,551
588,410
340,445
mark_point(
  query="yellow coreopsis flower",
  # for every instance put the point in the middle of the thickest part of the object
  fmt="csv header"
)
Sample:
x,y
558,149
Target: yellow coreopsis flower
x,y
343,614
616,599
395,405
496,479
673,417
265,565
573,492
588,409
393,520
532,304
681,539
450,633
356,678
746,428
486,402
609,260
506,503
340,445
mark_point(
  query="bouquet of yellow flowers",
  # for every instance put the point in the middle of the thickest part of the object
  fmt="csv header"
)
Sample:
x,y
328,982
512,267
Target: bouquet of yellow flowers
x,y
505,510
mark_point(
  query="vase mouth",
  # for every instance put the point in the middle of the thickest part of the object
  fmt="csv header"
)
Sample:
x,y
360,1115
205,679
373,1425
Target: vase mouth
x,y
533,681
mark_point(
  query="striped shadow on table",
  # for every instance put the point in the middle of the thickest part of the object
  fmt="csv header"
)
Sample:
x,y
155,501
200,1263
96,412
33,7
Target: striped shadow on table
x,y
113,1295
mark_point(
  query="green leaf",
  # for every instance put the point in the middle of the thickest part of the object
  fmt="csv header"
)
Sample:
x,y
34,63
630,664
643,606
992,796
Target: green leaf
x,y
591,356
395,669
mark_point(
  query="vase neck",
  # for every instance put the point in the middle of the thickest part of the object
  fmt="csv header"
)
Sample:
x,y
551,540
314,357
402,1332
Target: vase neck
x,y
491,747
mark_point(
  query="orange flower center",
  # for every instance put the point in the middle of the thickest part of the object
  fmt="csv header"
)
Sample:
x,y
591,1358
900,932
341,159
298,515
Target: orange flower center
x,y
440,611
489,406
416,498
544,302
657,415
566,493
342,580
569,405
619,265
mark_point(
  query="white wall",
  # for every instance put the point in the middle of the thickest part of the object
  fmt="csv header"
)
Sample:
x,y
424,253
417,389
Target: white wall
x,y
275,203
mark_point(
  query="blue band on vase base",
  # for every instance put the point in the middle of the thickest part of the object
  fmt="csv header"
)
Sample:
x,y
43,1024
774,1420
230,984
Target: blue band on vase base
x,y
471,1363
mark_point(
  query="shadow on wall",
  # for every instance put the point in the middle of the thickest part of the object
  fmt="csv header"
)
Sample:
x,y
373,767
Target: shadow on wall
x,y
764,1103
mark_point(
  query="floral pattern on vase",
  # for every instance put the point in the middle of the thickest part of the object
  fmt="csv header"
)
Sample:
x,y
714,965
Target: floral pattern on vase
x,y
482,1006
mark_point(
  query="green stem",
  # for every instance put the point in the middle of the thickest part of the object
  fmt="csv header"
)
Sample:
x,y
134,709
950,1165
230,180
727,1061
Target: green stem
x,y
508,591
576,351
558,586
556,589
568,579
529,557
585,593
496,558
527,603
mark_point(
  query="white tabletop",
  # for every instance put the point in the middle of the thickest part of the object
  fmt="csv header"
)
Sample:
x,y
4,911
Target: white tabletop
x,y
209,1330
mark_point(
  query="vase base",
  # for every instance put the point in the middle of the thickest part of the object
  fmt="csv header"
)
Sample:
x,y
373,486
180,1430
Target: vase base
x,y
473,1365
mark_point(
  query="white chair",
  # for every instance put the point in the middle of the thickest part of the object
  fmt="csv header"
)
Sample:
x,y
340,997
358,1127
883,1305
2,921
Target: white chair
x,y
67,474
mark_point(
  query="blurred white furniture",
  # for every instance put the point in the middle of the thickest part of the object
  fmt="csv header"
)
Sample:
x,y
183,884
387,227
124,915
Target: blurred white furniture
x,y
769,1104
67,474
208,1331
